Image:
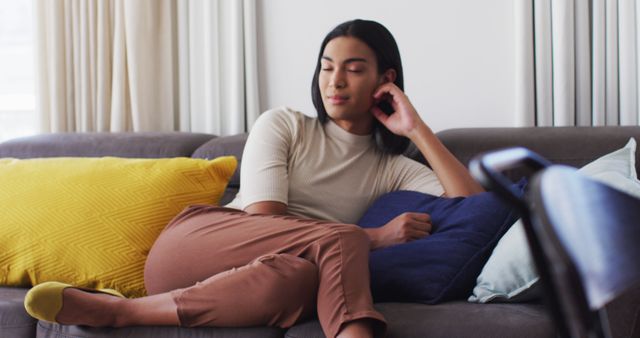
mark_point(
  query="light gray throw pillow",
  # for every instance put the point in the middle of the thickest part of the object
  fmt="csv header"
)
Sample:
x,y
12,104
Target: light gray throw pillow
x,y
509,275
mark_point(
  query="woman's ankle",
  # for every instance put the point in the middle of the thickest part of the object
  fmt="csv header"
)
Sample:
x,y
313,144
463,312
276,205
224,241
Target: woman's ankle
x,y
360,328
86,308
150,310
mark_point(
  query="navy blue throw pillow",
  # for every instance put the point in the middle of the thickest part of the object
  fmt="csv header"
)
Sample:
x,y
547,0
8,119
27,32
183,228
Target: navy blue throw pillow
x,y
444,265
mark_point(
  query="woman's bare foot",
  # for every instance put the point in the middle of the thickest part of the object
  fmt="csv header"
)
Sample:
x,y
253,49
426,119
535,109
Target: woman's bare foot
x,y
88,308
100,310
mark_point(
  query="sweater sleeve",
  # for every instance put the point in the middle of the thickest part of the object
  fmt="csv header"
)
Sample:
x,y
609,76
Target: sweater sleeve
x,y
264,171
407,174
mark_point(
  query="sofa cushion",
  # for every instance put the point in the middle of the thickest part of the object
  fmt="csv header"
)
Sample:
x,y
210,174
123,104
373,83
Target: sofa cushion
x,y
14,320
225,146
51,330
453,319
444,265
92,221
133,145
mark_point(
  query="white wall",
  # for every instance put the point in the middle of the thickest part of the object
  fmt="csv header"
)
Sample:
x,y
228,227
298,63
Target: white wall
x,y
458,55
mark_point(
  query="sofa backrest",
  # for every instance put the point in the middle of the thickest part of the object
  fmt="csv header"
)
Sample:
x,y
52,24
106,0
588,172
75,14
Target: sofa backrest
x,y
222,146
574,146
131,145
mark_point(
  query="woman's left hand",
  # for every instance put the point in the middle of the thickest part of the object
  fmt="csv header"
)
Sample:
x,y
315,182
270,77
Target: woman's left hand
x,y
404,120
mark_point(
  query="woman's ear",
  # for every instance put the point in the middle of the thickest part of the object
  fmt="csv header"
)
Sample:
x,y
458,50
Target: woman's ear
x,y
389,75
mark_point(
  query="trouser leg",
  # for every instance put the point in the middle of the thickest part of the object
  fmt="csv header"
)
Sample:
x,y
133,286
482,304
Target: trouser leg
x,y
344,294
275,290
204,241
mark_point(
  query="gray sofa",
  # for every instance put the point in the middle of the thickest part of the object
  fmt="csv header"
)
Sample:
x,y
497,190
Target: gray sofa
x,y
574,146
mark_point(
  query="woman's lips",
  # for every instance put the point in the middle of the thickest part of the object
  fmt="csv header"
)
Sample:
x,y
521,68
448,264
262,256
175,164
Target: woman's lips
x,y
338,100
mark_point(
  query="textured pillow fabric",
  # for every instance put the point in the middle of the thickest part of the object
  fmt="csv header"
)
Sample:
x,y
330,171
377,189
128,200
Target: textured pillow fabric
x,y
509,275
92,221
444,265
616,169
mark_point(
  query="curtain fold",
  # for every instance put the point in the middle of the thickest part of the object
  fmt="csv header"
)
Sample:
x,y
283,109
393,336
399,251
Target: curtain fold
x,y
252,98
543,114
599,61
628,63
611,62
217,65
146,65
563,56
585,59
525,89
583,64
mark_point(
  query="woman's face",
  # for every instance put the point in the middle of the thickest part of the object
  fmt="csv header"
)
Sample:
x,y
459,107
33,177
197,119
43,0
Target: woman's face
x,y
347,80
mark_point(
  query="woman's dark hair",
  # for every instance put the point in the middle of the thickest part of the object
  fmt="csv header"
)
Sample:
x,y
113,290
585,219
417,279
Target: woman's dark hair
x,y
380,40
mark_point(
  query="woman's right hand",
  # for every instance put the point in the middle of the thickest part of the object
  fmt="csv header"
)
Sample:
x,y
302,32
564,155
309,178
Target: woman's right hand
x,y
404,228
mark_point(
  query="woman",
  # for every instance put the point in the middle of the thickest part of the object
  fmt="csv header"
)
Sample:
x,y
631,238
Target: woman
x,y
292,251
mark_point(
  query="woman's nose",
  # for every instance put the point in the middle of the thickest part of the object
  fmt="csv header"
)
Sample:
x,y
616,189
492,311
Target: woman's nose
x,y
338,79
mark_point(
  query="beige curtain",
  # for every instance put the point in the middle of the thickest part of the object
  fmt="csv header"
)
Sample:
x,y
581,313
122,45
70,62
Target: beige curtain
x,y
577,62
106,65
146,65
217,66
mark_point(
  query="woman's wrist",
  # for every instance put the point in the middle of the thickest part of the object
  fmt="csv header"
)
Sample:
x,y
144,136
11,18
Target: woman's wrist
x,y
420,133
375,238
453,175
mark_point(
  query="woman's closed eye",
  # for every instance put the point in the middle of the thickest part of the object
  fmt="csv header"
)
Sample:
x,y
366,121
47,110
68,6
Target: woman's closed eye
x,y
350,70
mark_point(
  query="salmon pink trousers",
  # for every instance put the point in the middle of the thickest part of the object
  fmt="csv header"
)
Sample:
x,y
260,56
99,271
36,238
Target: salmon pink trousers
x,y
227,268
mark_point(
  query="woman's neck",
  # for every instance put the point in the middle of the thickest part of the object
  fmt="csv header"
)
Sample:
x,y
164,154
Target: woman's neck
x,y
360,127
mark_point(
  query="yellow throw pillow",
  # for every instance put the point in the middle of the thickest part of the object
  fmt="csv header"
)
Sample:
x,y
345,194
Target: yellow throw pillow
x,y
92,221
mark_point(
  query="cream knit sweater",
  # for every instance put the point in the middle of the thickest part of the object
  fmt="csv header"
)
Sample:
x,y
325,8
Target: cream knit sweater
x,y
321,171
